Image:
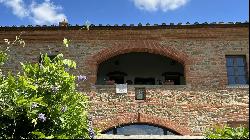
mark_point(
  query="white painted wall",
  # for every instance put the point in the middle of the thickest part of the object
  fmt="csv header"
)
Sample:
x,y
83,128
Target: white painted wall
x,y
142,65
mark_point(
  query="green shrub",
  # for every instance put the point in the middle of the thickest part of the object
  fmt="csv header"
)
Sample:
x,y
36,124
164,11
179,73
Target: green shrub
x,y
228,133
42,101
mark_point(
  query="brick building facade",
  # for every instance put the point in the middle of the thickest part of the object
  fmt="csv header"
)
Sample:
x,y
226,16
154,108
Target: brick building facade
x,y
206,97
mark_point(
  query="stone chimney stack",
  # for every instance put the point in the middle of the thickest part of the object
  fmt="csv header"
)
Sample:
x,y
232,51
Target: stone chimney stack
x,y
64,23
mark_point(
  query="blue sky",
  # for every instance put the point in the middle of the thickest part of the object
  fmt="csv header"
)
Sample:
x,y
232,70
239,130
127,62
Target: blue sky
x,y
25,12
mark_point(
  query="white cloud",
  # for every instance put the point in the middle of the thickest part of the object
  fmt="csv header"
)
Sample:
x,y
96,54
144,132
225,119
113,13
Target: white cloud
x,y
43,13
46,13
154,5
17,6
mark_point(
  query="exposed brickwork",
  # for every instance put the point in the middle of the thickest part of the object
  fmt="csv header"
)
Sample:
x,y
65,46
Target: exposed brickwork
x,y
194,110
127,118
189,109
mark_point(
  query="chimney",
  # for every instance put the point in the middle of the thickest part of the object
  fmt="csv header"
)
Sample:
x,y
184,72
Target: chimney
x,y
64,23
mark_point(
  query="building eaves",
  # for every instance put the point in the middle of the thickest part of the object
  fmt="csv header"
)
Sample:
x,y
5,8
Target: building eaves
x,y
130,26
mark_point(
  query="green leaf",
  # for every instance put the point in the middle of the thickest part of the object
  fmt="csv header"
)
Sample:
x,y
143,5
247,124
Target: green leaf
x,y
49,137
32,87
62,119
34,111
21,100
62,137
39,134
60,55
69,63
39,100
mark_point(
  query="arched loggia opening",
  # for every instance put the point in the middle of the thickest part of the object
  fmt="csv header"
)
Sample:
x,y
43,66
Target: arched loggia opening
x,y
140,129
140,68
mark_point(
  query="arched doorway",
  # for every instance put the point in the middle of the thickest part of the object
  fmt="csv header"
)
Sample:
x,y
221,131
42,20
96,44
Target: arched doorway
x,y
140,68
140,129
106,125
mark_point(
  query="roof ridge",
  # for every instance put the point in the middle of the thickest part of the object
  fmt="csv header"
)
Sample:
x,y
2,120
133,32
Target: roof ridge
x,y
130,25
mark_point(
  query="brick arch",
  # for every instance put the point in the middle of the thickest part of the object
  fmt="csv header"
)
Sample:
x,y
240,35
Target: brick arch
x,y
130,118
150,47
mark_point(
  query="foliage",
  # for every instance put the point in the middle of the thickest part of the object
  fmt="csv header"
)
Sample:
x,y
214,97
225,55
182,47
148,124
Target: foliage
x,y
5,49
227,132
42,101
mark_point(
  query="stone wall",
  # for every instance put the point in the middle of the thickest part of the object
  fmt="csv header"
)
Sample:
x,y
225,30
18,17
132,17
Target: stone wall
x,y
177,107
205,100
